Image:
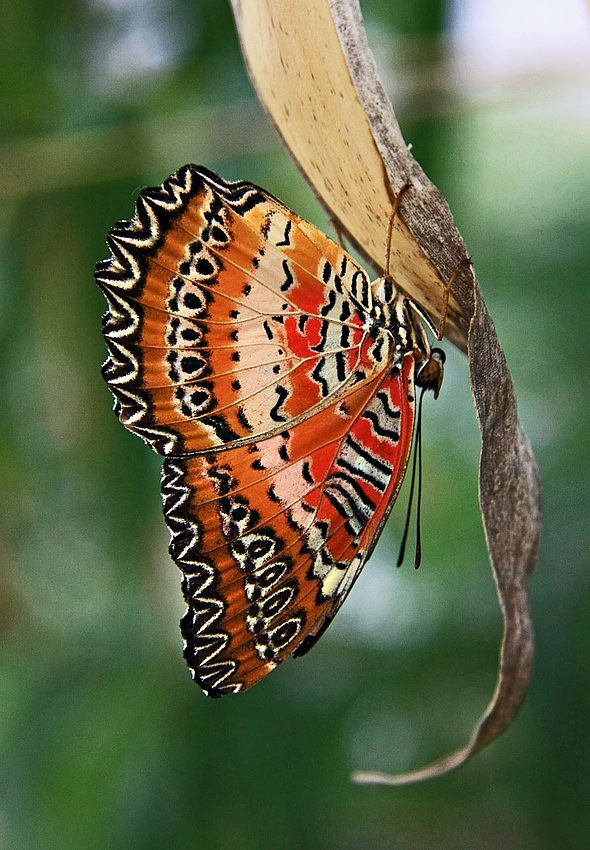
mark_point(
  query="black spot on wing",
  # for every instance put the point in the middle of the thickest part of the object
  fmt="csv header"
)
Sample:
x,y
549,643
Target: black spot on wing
x,y
329,306
286,240
289,279
319,378
306,474
282,393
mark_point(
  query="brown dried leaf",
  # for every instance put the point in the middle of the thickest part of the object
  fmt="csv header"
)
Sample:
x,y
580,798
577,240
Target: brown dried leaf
x,y
312,68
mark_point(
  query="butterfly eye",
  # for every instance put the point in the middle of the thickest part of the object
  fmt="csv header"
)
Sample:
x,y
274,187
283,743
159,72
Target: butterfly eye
x,y
430,373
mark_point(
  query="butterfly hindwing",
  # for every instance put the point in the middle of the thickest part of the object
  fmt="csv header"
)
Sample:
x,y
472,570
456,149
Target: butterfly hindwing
x,y
272,536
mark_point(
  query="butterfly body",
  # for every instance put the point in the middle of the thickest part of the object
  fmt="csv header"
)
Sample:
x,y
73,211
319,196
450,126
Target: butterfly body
x,y
255,355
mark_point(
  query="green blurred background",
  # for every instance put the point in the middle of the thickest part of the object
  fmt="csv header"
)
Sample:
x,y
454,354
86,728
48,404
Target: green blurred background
x,y
105,741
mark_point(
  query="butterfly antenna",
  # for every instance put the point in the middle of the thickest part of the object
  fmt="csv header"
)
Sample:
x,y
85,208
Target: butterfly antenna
x,y
402,549
465,263
418,451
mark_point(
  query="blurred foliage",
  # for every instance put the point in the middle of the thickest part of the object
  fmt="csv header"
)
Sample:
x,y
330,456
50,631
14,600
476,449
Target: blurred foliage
x,y
105,741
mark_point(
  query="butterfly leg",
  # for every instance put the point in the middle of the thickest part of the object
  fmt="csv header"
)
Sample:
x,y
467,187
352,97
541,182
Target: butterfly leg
x,y
394,214
462,264
338,232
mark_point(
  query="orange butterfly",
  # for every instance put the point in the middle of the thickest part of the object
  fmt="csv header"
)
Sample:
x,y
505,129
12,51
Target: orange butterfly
x,y
279,383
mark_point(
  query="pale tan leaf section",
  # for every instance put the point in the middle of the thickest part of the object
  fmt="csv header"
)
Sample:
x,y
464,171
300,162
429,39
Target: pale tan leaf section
x,y
313,71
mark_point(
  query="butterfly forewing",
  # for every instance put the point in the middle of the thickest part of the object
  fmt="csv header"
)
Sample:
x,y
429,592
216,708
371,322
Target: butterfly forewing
x,y
227,323
243,344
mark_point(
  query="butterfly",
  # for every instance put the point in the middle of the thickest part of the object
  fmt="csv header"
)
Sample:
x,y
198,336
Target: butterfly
x,y
279,384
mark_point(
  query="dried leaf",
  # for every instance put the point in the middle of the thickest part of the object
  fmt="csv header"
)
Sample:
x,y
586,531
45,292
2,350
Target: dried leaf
x,y
315,75
312,68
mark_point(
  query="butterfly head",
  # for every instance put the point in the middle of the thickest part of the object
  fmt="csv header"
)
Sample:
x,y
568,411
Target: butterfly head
x,y
429,361
430,371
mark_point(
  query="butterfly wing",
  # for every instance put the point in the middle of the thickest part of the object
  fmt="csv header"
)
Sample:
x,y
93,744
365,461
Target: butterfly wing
x,y
229,317
272,536
242,345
